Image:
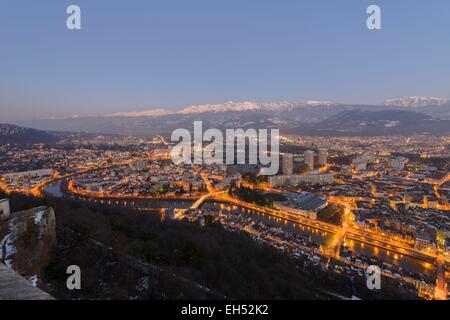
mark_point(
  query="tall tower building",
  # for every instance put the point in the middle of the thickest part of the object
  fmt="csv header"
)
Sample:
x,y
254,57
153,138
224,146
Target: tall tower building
x,y
323,157
288,164
309,159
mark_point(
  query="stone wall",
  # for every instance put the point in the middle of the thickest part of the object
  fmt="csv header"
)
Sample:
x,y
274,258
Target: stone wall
x,y
15,287
28,241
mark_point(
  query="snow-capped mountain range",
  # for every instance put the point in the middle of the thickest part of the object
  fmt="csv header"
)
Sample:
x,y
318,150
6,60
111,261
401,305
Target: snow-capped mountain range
x,y
148,113
247,114
229,106
238,106
416,102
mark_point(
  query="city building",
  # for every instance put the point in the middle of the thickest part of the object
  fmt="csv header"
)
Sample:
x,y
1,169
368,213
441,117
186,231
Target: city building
x,y
423,241
398,163
28,174
360,163
360,166
425,290
309,159
316,178
323,157
288,164
304,203
138,165
295,180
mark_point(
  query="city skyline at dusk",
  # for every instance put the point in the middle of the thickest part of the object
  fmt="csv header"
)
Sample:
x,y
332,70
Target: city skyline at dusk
x,y
225,159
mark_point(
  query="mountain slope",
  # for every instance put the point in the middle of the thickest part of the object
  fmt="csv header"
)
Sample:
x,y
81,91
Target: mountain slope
x,y
376,123
11,134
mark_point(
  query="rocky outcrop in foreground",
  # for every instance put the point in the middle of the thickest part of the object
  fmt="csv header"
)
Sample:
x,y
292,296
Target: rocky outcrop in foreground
x,y
14,287
27,243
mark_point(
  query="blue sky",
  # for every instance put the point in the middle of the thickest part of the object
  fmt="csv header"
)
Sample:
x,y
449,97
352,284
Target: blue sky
x,y
143,54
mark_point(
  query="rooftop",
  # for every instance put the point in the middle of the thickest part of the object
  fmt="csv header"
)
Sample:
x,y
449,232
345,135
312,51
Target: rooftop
x,y
306,201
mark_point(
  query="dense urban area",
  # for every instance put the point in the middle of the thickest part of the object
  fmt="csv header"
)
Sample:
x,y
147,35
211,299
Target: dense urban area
x,y
338,204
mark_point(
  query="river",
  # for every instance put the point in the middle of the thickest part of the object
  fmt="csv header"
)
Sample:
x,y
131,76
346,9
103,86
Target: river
x,y
320,237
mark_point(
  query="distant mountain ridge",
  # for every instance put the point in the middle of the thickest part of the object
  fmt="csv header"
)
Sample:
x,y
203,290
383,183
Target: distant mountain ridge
x,y
148,113
415,102
247,114
250,106
11,134
229,106
376,123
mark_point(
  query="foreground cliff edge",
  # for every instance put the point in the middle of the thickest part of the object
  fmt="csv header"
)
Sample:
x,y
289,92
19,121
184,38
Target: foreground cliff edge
x,y
27,243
